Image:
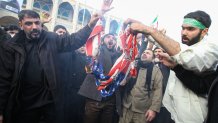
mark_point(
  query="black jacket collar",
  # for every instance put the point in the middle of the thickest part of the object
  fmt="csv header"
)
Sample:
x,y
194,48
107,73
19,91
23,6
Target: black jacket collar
x,y
17,41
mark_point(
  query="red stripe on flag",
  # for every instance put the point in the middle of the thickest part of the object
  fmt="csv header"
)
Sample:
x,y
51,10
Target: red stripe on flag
x,y
89,44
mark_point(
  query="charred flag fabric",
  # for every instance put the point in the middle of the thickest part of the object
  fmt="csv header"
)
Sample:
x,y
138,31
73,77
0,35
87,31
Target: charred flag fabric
x,y
124,65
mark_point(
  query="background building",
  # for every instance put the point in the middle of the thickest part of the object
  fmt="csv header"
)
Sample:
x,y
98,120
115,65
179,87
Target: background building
x,y
73,14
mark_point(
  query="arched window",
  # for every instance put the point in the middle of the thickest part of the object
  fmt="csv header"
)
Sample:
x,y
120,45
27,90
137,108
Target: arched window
x,y
65,14
24,2
43,5
113,27
103,21
84,16
37,5
46,8
65,11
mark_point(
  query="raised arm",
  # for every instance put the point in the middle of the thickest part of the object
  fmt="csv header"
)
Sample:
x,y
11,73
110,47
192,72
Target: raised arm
x,y
190,57
171,46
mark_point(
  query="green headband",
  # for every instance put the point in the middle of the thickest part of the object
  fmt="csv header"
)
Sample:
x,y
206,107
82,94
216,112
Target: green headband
x,y
194,23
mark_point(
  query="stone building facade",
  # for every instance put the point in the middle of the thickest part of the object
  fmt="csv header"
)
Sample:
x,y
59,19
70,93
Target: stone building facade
x,y
73,14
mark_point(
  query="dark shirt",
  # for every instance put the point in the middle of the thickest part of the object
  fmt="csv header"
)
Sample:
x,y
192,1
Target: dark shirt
x,y
88,89
34,87
199,84
165,72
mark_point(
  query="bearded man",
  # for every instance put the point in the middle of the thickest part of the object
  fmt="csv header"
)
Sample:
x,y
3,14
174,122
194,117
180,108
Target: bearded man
x,y
183,104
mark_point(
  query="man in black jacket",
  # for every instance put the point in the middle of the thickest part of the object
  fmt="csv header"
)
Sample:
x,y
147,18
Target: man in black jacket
x,y
28,69
71,73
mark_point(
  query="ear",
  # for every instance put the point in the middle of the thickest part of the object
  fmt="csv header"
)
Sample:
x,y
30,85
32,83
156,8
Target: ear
x,y
20,24
204,32
102,42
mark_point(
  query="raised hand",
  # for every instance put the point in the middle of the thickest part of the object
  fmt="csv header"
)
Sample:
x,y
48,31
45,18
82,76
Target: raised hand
x,y
138,27
95,17
166,60
163,31
45,17
106,6
127,22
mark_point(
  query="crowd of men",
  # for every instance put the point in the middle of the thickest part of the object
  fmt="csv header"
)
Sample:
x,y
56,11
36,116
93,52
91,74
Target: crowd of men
x,y
43,77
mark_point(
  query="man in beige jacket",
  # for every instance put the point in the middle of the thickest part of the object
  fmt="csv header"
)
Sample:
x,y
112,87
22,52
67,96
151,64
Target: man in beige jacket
x,y
143,94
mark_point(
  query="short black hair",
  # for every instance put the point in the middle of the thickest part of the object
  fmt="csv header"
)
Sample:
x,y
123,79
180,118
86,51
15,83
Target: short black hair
x,y
59,27
159,48
102,39
200,16
28,13
12,27
4,36
149,50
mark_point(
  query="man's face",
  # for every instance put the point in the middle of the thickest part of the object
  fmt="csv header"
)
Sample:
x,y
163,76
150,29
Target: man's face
x,y
32,27
12,32
82,50
61,31
110,41
139,37
157,52
190,35
147,56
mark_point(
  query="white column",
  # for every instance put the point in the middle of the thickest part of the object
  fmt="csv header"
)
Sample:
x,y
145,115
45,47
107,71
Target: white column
x,y
29,4
107,25
75,15
54,14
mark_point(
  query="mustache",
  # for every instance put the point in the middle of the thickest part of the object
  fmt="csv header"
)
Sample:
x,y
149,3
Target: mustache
x,y
35,31
184,37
